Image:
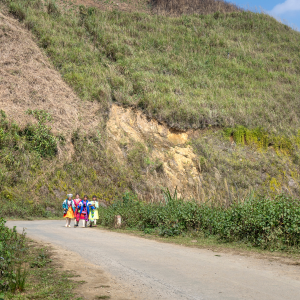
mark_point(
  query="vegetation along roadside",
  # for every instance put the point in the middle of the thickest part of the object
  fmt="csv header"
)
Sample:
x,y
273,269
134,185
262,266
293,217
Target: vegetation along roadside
x,y
256,222
28,271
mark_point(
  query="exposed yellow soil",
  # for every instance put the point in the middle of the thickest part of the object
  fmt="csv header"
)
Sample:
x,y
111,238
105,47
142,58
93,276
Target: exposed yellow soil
x,y
180,164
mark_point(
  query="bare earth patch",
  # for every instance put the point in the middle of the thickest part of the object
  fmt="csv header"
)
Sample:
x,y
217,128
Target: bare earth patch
x,y
95,283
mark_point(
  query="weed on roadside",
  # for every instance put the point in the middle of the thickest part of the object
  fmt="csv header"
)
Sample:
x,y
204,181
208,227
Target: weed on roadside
x,y
261,222
28,271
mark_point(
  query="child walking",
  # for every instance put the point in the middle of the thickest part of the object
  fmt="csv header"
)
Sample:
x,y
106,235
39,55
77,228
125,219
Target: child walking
x,y
84,210
77,200
69,209
94,215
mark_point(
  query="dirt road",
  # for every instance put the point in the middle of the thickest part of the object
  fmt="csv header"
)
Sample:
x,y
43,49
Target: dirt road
x,y
155,270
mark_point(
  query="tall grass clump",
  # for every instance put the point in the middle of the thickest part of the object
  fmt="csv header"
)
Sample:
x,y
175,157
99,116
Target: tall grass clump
x,y
259,221
12,249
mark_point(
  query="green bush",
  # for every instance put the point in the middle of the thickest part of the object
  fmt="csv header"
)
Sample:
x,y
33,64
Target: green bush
x,y
12,249
18,11
19,208
34,137
263,222
53,9
22,153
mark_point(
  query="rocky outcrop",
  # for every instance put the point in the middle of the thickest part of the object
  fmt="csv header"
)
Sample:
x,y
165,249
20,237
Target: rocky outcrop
x,y
168,147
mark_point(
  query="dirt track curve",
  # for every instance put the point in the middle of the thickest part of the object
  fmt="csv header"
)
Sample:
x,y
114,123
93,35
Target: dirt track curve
x,y
157,270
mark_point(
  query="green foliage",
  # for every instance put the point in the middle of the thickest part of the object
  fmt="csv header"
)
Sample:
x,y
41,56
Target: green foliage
x,y
39,136
21,208
21,157
53,9
41,139
260,137
189,71
17,10
27,271
12,249
41,260
34,137
229,171
259,221
41,115
18,280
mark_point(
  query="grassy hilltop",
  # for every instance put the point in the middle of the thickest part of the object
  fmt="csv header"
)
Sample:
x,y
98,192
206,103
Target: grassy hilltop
x,y
232,74
191,71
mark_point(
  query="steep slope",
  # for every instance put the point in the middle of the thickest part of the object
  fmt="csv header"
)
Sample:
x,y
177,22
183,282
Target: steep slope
x,y
156,102
83,162
221,70
28,81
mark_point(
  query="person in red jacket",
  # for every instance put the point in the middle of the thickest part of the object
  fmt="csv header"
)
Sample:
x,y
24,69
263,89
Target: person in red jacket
x,y
77,200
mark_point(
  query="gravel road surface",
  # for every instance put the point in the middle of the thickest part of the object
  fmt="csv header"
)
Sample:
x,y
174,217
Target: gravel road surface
x,y
156,270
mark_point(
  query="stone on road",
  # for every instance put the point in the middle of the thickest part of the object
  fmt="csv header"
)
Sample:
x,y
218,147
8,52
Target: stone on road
x,y
156,270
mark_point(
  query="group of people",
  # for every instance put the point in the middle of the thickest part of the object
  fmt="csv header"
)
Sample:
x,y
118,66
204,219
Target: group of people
x,y
81,209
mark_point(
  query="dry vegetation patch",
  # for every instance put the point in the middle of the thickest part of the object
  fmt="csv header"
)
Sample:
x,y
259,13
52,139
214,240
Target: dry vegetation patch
x,y
28,81
203,7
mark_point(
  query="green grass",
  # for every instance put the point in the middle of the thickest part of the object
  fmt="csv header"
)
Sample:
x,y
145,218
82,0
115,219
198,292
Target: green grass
x,y
197,71
260,222
44,279
28,271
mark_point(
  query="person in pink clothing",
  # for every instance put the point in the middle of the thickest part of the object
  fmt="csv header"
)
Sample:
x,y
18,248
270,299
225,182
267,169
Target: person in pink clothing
x,y
77,200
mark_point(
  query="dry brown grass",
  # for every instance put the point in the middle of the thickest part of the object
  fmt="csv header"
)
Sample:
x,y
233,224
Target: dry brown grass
x,y
28,81
204,7
104,5
163,7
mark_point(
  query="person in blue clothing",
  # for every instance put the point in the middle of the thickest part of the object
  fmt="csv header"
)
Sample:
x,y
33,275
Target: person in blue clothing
x,y
84,210
69,209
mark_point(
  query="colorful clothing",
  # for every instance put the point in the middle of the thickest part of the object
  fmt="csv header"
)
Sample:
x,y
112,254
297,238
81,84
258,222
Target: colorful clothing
x,y
84,210
69,208
94,215
77,209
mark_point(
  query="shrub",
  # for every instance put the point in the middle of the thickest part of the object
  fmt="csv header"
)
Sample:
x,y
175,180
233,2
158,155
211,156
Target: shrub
x,y
34,137
12,248
53,9
263,222
41,140
18,11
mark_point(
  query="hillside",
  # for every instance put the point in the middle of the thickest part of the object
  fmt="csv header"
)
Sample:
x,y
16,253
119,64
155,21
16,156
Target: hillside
x,y
52,142
189,71
205,102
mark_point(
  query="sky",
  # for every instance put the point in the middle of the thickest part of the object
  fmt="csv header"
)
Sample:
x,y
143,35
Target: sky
x,y
288,11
